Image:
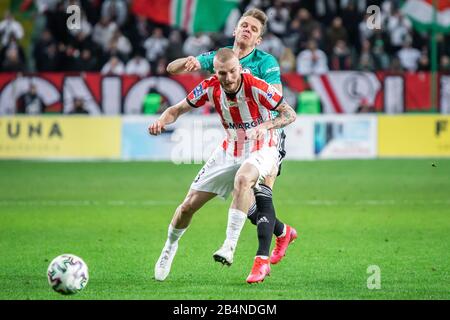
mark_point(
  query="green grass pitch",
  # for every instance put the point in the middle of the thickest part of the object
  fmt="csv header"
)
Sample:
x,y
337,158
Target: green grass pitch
x,y
350,215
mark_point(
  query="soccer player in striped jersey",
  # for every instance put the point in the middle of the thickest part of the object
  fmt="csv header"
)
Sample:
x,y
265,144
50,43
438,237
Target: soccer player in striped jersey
x,y
248,34
247,155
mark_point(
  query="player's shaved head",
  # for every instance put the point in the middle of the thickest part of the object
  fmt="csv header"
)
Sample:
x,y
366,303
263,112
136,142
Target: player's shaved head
x,y
224,55
227,69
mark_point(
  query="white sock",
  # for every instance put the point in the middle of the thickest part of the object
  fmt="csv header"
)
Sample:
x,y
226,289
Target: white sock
x,y
173,235
284,232
236,221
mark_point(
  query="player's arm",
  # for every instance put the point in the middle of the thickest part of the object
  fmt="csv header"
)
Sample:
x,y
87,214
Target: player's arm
x,y
170,115
279,87
188,64
286,115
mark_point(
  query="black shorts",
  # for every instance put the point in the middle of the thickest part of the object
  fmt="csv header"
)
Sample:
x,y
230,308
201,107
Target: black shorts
x,y
281,151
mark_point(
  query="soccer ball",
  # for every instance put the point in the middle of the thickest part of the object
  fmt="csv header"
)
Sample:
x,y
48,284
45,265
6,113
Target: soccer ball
x,y
67,274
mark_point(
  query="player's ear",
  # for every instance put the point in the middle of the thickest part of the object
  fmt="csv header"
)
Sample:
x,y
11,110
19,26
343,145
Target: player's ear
x,y
258,41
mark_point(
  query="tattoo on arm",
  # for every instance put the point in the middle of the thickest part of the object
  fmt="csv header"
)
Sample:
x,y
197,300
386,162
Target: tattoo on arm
x,y
286,116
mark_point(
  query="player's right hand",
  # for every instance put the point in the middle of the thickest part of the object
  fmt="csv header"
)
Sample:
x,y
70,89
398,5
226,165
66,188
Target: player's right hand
x,y
192,64
156,128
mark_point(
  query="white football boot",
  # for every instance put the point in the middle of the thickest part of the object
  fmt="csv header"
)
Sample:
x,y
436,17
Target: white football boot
x,y
225,254
162,267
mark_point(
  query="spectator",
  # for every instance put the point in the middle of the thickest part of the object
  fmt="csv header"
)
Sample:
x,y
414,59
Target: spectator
x,y
278,18
444,63
78,106
115,10
103,32
287,61
409,57
12,61
9,27
138,66
197,44
341,58
366,60
378,41
87,61
307,22
113,67
312,60
272,44
155,46
119,44
424,63
365,32
30,102
335,33
399,29
395,65
296,38
161,67
175,48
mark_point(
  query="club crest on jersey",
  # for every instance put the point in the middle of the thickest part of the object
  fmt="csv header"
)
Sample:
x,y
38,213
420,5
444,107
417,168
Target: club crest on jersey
x,y
198,91
246,70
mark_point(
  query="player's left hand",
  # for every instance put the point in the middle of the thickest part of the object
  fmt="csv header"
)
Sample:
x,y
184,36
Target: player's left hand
x,y
257,133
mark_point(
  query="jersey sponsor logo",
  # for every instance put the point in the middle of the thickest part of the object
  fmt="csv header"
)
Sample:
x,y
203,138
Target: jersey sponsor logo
x,y
245,125
207,53
270,92
198,91
274,69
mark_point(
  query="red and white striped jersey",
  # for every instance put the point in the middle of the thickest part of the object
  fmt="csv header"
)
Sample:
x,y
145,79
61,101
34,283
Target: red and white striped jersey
x,y
252,105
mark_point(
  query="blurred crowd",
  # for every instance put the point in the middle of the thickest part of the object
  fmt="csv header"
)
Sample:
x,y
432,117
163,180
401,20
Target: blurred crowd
x,y
307,37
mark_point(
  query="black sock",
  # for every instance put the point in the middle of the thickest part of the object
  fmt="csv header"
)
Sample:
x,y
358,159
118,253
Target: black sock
x,y
265,220
253,214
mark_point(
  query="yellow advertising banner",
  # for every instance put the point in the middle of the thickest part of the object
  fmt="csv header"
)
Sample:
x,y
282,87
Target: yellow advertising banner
x,y
61,137
414,135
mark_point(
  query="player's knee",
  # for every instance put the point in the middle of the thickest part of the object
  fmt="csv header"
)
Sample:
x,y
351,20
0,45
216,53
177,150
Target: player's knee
x,y
187,207
241,183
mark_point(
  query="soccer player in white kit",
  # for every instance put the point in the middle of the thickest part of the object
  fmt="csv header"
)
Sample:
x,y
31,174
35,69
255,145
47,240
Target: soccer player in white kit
x,y
247,155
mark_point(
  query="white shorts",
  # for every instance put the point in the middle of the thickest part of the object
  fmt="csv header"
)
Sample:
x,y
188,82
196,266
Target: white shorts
x,y
217,175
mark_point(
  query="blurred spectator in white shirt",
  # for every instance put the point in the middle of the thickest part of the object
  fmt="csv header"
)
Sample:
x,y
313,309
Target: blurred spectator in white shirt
x,y
116,10
10,27
312,60
278,17
409,57
120,43
398,28
113,67
156,45
272,44
197,44
138,66
103,32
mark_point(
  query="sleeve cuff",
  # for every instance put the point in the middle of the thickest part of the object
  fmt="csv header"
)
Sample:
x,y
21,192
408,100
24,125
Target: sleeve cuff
x,y
191,104
278,104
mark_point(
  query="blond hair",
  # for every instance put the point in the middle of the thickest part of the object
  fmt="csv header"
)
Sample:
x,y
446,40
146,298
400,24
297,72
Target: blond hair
x,y
225,54
258,15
